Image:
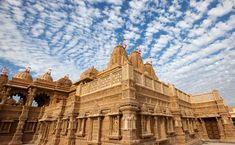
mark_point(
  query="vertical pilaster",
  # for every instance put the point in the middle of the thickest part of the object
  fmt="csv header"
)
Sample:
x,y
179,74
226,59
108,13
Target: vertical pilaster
x,y
5,93
56,138
180,135
17,138
71,132
204,134
129,131
156,128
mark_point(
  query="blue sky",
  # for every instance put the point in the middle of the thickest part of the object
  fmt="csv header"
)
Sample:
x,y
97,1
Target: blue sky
x,y
192,43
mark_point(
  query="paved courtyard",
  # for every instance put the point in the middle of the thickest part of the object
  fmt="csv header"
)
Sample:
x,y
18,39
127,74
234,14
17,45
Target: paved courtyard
x,y
207,143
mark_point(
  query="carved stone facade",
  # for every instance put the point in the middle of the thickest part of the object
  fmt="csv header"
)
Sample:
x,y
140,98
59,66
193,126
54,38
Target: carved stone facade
x,y
124,104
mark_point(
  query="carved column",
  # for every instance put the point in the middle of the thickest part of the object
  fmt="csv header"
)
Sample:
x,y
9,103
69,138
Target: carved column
x,y
17,138
56,138
220,126
204,134
71,133
89,138
129,131
5,93
180,136
168,125
99,129
156,128
39,127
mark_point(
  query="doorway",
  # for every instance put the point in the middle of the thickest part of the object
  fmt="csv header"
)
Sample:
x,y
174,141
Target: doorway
x,y
212,128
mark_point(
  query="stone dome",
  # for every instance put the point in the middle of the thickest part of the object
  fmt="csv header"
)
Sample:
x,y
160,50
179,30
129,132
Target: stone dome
x,y
64,81
118,57
136,61
90,73
24,75
150,70
46,77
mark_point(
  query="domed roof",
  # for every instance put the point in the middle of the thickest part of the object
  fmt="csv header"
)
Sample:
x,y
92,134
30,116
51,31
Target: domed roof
x,y
118,57
90,73
46,76
136,60
64,81
150,70
24,75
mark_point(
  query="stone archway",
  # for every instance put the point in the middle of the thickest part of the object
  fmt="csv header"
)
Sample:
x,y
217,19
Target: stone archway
x,y
41,99
17,98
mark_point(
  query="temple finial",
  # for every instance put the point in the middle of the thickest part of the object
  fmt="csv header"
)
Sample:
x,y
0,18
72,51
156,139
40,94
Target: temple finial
x,y
139,49
28,68
124,43
66,76
150,60
49,71
4,71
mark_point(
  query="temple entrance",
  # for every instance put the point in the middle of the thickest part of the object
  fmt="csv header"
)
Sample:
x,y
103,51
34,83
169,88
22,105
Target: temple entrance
x,y
212,128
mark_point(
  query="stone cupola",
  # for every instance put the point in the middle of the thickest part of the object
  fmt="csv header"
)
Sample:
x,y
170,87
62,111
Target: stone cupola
x,y
24,75
64,81
46,76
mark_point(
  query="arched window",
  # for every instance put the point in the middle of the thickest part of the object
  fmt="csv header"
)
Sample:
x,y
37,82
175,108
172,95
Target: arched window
x,y
16,98
41,100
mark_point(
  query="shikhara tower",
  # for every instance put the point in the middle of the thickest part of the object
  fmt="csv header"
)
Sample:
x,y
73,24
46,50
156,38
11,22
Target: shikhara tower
x,y
125,104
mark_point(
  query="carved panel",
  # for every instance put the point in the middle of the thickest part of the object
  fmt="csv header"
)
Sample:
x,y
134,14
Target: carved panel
x,y
95,129
81,124
137,77
30,126
85,88
116,77
157,86
5,126
94,85
114,127
104,82
65,124
148,82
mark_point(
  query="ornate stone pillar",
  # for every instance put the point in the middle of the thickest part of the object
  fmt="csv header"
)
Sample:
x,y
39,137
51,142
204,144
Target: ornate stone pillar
x,y
5,93
17,138
90,129
99,129
56,138
71,132
180,135
220,126
129,131
156,128
39,128
204,134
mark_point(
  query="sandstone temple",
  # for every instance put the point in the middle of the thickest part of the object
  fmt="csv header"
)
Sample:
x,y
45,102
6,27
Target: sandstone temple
x,y
124,104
